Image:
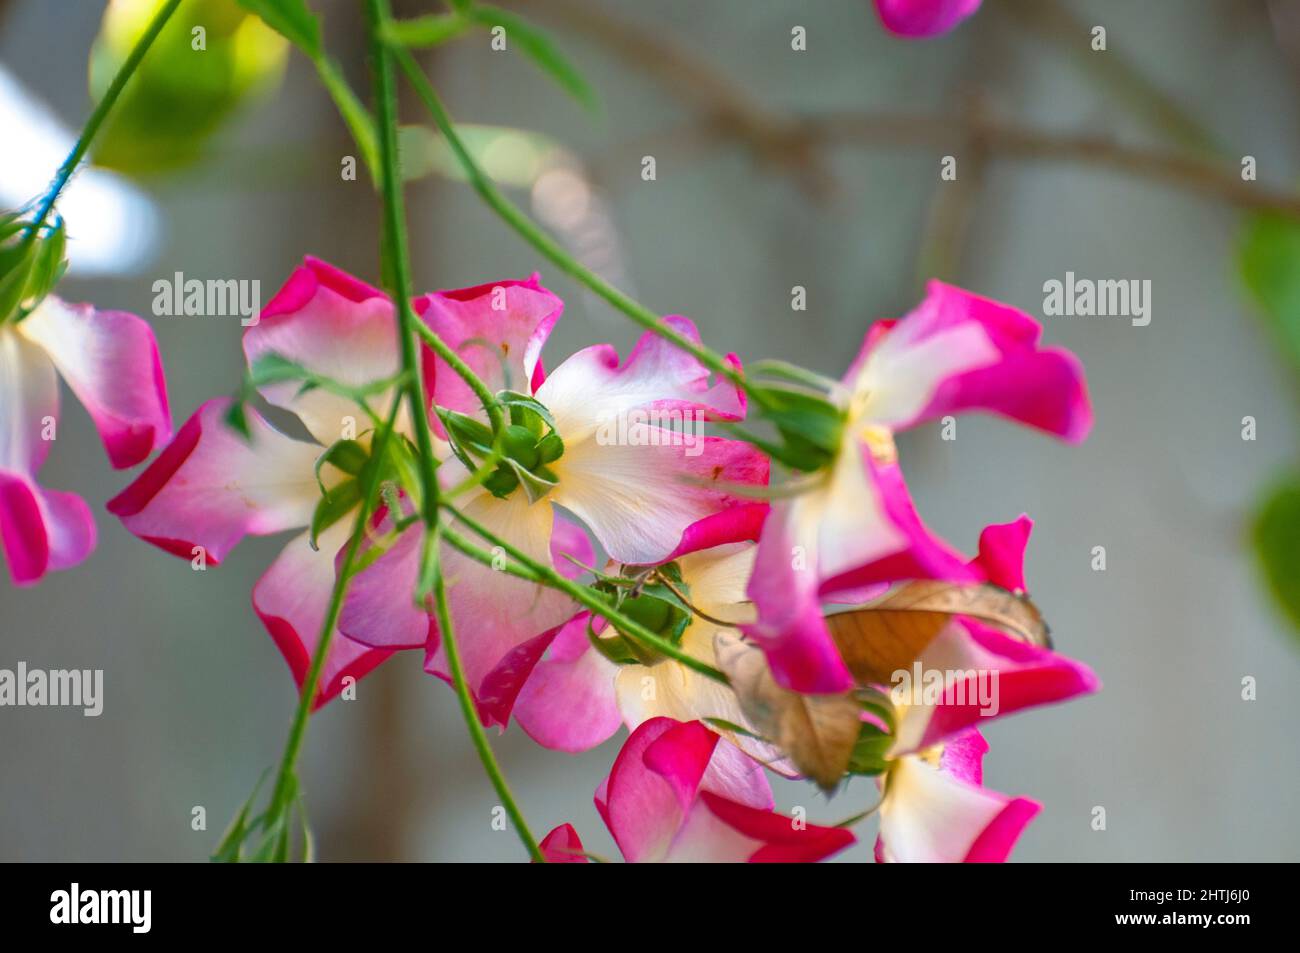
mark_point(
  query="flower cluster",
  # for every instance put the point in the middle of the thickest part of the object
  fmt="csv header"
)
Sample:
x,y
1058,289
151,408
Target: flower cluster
x,y
734,622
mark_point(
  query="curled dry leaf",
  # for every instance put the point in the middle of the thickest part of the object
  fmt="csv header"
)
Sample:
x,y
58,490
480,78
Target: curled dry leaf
x,y
889,634
816,732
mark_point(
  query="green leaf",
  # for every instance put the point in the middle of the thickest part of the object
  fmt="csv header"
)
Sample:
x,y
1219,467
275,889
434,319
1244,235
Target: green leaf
x,y
293,20
346,455
333,506
432,29
230,848
1276,535
355,115
878,704
304,831
538,46
723,725
508,156
784,370
1269,259
273,368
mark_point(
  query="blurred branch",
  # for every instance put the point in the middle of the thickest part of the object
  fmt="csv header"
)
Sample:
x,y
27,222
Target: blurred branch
x,y
954,135
1219,179
951,213
1050,20
728,112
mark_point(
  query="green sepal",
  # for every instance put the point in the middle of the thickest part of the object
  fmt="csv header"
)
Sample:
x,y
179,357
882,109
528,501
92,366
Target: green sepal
x,y
469,432
616,648
810,425
871,751
879,705
518,402
502,482
550,448
47,268
519,443
535,484
16,263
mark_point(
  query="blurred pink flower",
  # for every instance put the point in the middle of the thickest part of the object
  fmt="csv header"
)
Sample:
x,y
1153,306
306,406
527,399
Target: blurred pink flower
x,y
109,360
922,18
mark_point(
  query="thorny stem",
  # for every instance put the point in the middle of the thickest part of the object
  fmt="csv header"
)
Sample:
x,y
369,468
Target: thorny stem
x,y
298,730
398,273
395,255
479,737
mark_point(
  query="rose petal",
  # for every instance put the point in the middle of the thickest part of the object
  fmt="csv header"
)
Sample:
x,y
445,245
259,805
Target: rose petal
x,y
1026,676
41,529
335,326
498,329
858,529
957,351
931,816
563,846
921,18
210,488
110,361
29,399
292,598
568,702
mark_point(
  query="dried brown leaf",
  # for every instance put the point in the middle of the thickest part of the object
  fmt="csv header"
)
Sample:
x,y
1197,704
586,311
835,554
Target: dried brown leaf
x,y
816,732
889,634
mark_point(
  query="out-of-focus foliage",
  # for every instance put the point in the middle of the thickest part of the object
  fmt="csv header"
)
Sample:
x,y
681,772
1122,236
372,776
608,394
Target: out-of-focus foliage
x,y
1277,542
1270,266
511,157
1269,258
180,94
